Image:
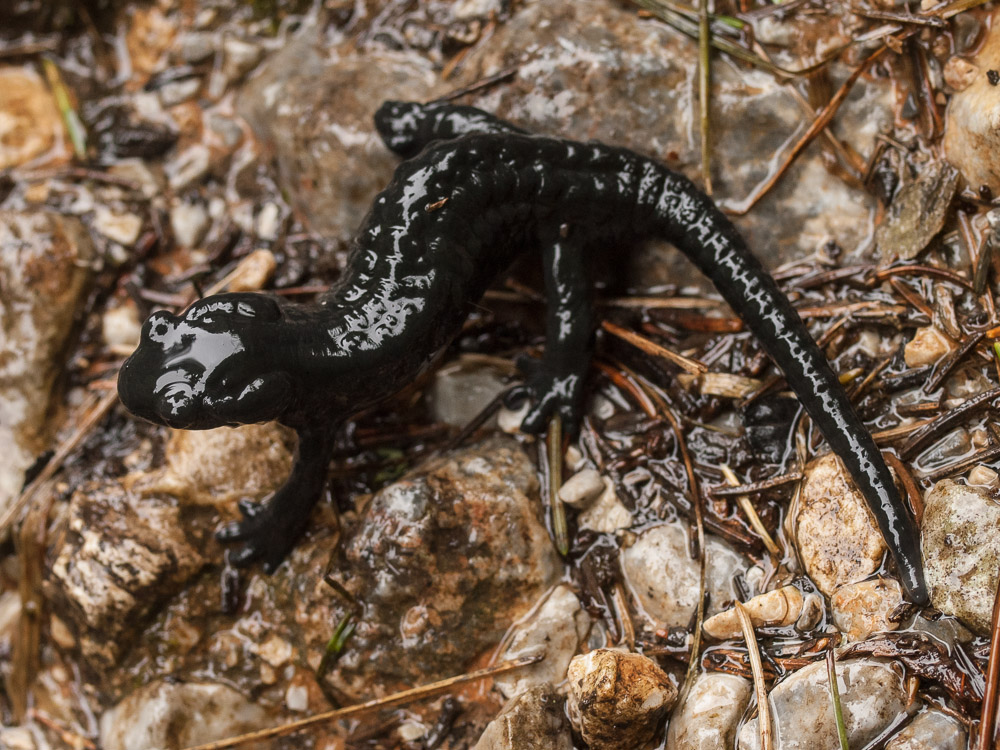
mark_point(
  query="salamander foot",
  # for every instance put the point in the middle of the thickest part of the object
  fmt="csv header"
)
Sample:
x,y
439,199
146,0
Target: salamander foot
x,y
266,536
552,391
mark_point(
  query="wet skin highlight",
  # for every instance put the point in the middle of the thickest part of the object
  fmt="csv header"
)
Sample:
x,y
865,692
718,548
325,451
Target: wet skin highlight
x,y
474,193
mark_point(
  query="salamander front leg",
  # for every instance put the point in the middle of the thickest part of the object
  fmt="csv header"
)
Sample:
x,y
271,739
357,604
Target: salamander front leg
x,y
555,383
270,530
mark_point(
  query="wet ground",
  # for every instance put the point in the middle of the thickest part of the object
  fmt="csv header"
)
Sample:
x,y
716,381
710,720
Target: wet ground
x,y
152,154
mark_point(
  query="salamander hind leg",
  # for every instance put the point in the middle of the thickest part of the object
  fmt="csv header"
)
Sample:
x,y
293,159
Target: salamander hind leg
x,y
270,530
554,383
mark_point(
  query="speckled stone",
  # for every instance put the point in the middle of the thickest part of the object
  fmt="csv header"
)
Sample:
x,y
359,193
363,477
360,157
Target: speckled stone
x,y
960,546
838,539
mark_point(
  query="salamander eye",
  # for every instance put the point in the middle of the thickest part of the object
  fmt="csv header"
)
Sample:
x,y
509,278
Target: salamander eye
x,y
158,327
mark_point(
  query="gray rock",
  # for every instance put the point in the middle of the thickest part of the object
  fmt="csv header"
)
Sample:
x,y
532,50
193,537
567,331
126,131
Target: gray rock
x,y
171,716
872,695
626,81
708,718
556,628
462,389
616,699
45,276
114,562
317,111
444,560
664,578
931,730
960,546
535,718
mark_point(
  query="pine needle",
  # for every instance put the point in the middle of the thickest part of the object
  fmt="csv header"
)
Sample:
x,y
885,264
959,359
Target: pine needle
x,y
838,711
760,688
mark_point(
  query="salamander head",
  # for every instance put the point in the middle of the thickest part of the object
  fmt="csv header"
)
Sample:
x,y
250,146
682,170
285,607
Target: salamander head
x,y
204,369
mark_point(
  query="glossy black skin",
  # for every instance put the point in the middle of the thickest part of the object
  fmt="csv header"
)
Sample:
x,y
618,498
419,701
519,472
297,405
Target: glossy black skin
x,y
476,193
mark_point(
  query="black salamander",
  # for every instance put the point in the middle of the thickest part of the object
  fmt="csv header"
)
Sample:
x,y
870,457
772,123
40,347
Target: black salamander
x,y
474,193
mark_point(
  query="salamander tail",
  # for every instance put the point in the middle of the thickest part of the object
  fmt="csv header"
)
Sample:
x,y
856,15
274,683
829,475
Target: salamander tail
x,y
702,232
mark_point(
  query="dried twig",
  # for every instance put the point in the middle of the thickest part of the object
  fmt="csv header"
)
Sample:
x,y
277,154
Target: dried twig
x,y
651,347
932,431
987,721
751,513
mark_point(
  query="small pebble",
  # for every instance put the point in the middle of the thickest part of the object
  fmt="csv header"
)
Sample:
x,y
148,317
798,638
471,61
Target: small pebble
x,y
120,326
240,57
708,718
121,228
509,420
253,272
775,608
297,698
196,47
860,609
189,222
616,699
983,476
178,92
838,539
927,347
581,489
607,514
189,167
959,73
269,221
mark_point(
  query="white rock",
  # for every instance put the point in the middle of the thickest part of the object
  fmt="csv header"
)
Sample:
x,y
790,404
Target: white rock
x,y
557,628
122,228
174,715
581,489
931,730
960,546
607,514
136,170
253,272
616,699
189,222
872,695
708,718
837,537
959,73
663,578
120,326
